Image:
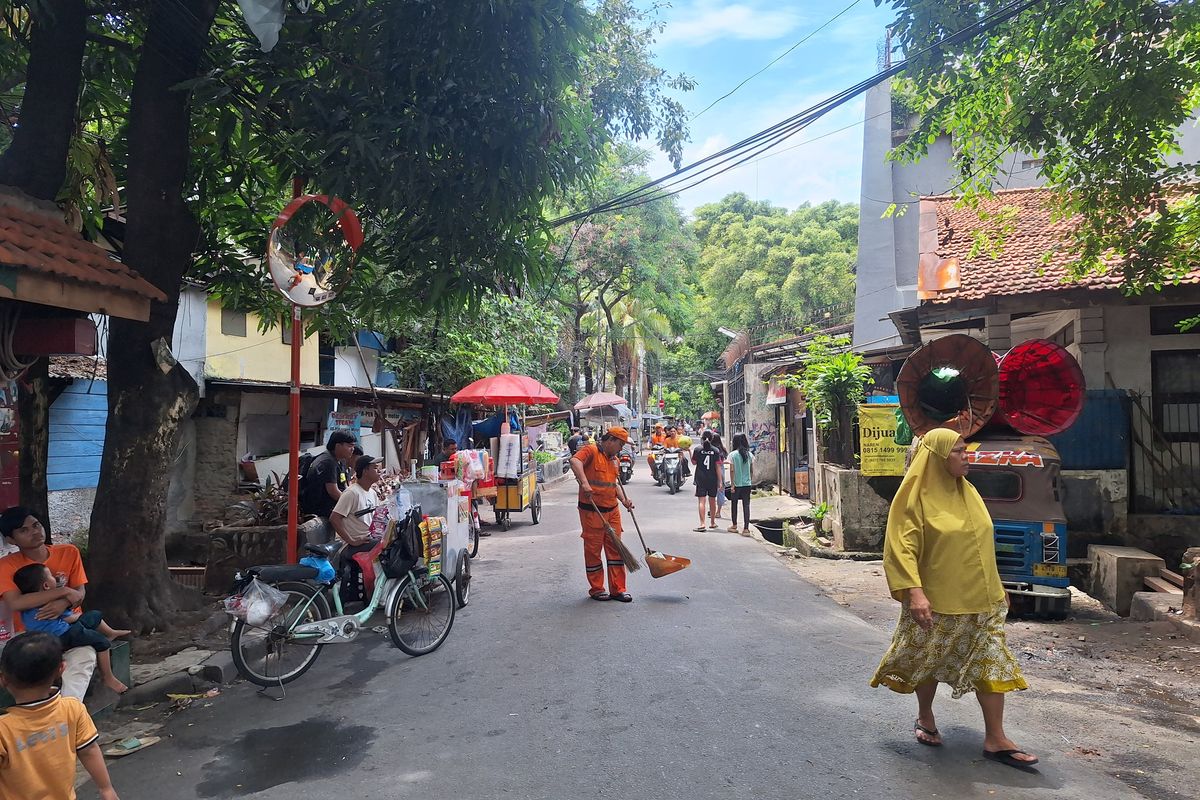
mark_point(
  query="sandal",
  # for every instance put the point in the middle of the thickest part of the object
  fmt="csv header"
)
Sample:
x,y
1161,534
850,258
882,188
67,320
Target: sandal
x,y
622,597
918,729
600,596
701,529
732,529
1006,757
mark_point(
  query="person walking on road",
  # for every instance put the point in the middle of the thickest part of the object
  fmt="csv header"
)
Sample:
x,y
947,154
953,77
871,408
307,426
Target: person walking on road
x,y
721,461
595,468
739,463
705,457
940,561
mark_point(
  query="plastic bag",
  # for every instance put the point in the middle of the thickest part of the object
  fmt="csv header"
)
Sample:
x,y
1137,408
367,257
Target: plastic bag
x,y
325,571
257,603
904,434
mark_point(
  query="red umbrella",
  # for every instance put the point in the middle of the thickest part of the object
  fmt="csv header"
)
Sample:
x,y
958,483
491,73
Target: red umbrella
x,y
599,399
500,390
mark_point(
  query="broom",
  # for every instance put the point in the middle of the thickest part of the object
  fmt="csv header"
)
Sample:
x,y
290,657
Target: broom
x,y
631,561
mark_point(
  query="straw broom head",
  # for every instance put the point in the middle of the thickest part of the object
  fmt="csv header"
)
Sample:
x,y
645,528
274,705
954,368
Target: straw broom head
x,y
631,561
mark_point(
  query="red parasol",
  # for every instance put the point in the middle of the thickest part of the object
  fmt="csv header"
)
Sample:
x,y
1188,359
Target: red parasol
x,y
599,399
501,390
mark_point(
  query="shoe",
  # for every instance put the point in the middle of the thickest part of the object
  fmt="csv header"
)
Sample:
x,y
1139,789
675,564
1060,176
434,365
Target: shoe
x,y
622,597
732,529
601,596
745,531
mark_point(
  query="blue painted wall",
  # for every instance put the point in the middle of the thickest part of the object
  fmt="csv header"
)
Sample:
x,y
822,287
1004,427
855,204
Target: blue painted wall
x,y
77,436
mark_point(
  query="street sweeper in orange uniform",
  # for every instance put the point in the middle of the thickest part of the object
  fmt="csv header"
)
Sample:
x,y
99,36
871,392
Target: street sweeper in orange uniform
x,y
595,467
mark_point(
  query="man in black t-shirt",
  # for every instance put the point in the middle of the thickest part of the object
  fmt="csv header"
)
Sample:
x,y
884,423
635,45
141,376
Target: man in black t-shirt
x,y
575,441
705,457
327,477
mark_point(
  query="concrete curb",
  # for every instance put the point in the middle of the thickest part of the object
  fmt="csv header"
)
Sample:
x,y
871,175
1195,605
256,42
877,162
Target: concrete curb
x,y
1154,607
814,549
216,668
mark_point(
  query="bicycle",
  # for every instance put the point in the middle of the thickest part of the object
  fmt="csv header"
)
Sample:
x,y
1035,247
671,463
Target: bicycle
x,y
420,611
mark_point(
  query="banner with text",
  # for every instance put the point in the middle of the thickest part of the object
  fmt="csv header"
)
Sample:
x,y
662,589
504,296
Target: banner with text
x,y
880,455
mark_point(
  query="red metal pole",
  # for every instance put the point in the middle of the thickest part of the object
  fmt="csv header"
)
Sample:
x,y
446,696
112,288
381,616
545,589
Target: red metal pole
x,y
293,536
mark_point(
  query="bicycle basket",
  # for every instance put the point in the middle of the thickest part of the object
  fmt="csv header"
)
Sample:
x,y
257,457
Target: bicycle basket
x,y
405,549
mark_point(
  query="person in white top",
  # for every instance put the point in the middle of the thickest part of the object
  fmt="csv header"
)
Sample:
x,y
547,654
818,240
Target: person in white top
x,y
351,517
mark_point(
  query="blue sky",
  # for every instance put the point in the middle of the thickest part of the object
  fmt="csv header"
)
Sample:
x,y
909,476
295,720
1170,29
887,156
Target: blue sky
x,y
721,42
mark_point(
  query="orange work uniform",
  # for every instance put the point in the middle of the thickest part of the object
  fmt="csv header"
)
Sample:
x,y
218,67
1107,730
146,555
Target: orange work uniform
x,y
601,472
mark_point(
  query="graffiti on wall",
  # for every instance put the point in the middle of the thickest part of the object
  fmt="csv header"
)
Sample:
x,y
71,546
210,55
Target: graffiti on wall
x,y
763,438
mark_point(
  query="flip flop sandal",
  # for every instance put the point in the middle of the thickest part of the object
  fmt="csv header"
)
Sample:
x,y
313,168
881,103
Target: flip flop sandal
x,y
918,728
1006,757
622,597
701,529
602,596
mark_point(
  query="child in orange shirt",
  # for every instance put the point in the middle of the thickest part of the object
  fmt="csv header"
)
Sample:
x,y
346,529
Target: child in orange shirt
x,y
43,733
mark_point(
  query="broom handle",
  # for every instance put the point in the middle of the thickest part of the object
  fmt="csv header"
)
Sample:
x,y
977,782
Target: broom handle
x,y
638,528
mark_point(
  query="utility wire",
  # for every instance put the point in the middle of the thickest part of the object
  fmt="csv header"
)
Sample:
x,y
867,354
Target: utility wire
x,y
775,61
733,156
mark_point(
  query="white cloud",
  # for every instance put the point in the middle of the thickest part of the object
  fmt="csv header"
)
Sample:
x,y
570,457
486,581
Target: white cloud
x,y
706,21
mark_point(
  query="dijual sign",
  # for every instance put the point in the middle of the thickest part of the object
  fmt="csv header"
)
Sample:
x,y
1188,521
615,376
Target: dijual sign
x,y
879,454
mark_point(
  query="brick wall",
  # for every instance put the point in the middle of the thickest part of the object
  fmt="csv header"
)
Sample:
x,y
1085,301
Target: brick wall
x,y
216,454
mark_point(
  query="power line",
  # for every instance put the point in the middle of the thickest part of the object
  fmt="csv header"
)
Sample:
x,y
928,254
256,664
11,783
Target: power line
x,y
737,154
775,61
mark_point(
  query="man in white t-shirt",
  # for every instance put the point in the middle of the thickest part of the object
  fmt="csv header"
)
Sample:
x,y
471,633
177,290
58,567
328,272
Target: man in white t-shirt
x,y
351,517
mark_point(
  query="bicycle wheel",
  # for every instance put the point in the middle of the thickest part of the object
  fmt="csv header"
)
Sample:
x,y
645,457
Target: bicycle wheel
x,y
535,508
268,655
462,581
473,535
418,628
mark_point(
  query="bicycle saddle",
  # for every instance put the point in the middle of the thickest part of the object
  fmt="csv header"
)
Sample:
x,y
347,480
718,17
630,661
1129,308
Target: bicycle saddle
x,y
327,550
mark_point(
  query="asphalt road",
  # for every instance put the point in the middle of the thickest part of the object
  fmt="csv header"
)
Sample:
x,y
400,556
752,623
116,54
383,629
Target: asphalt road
x,y
731,679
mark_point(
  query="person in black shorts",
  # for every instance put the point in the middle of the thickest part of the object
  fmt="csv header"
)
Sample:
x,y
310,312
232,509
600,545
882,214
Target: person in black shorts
x,y
705,457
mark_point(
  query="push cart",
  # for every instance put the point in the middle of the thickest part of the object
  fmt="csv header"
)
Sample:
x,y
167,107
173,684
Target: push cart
x,y
521,493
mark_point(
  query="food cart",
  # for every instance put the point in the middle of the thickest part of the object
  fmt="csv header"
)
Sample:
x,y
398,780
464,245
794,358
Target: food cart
x,y
516,487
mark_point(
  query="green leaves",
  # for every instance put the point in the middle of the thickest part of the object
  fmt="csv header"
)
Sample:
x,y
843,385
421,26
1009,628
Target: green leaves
x,y
1100,89
833,378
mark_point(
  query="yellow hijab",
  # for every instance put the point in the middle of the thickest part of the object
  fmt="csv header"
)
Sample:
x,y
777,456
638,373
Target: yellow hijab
x,y
940,535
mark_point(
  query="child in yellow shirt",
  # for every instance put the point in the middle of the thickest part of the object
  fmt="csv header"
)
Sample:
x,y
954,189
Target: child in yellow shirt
x,y
43,733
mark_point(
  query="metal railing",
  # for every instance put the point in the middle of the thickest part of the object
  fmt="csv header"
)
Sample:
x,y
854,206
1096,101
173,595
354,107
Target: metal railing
x,y
1165,458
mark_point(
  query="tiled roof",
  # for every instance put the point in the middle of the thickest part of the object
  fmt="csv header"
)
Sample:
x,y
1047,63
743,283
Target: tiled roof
x,y
40,241
1017,268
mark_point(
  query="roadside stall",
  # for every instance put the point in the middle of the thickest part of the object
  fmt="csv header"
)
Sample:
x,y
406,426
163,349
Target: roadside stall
x,y
516,487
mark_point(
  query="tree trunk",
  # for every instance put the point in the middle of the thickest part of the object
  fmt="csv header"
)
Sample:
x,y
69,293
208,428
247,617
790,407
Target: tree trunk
x,y
576,355
35,393
36,159
146,404
589,379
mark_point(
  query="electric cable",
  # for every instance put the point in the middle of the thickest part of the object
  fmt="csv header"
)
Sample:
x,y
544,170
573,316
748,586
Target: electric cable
x,y
692,175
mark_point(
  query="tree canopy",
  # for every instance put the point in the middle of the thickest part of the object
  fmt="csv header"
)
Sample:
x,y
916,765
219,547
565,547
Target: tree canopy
x,y
763,266
1099,89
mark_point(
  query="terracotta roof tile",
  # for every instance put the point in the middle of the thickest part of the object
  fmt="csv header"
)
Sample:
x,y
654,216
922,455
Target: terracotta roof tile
x,y
40,242
1018,267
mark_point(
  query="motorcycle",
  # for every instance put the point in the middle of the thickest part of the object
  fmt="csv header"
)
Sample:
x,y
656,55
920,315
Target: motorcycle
x,y
625,462
672,469
654,459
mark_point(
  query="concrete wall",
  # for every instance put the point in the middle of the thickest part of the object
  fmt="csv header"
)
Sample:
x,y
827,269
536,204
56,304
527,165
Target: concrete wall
x,y
216,471
71,510
1096,501
1165,535
858,507
761,427
257,355
348,366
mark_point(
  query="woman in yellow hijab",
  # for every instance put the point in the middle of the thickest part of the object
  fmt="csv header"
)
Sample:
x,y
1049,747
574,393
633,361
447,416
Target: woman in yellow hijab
x,y
940,561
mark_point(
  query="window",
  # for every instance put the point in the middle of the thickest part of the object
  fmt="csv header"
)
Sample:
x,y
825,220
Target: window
x,y
1164,320
996,484
1065,337
233,323
1175,380
286,332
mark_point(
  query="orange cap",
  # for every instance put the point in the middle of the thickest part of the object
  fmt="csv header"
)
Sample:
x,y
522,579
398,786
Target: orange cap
x,y
618,432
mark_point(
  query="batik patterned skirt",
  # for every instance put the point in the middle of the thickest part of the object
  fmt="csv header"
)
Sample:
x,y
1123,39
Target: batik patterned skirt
x,y
965,651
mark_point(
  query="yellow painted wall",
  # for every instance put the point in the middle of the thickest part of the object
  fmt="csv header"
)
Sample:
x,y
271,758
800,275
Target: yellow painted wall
x,y
256,356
